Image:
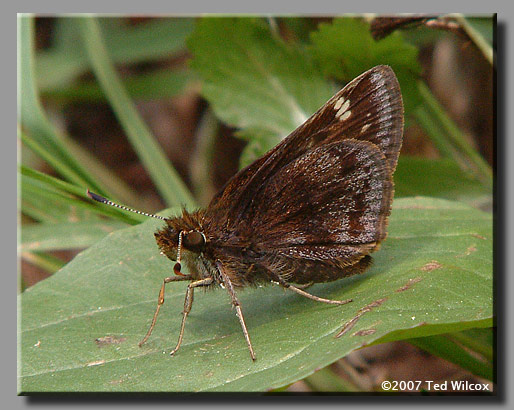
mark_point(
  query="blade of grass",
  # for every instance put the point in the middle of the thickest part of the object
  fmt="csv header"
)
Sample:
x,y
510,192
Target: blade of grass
x,y
442,346
45,261
118,190
128,44
30,112
52,160
45,204
39,205
477,38
56,183
452,133
31,209
33,121
64,192
326,380
202,158
159,84
48,197
436,134
166,179
475,344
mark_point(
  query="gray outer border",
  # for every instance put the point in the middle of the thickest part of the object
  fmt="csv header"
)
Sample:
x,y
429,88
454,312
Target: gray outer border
x,y
505,169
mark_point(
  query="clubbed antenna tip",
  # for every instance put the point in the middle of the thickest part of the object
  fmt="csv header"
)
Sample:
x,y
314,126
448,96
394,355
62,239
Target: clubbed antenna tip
x,y
96,197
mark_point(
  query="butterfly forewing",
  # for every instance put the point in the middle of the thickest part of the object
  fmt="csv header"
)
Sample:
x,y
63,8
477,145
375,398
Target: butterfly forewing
x,y
369,108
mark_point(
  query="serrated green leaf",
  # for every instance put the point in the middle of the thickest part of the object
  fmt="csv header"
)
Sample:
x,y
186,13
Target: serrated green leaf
x,y
253,80
345,49
433,274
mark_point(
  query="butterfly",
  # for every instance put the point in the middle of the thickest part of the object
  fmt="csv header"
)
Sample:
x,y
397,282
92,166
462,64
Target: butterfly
x,y
310,210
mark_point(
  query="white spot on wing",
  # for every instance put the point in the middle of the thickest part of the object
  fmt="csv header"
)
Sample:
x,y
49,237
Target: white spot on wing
x,y
339,103
343,113
365,127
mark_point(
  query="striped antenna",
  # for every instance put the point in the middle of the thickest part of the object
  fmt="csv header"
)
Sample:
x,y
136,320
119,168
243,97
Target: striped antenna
x,y
103,200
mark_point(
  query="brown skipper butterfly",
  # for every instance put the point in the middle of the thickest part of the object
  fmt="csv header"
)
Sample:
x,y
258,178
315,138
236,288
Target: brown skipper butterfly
x,y
310,210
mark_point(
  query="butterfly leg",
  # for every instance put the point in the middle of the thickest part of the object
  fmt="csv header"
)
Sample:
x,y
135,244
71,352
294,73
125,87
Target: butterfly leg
x,y
305,285
160,301
237,305
308,295
188,303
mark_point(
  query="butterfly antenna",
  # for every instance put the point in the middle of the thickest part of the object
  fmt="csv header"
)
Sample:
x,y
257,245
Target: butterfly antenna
x,y
103,200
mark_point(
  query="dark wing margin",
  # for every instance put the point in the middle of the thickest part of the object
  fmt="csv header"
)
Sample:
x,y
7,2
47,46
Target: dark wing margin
x,y
369,108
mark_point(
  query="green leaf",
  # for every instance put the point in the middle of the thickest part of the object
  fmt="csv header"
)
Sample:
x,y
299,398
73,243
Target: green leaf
x,y
432,275
254,80
442,178
345,49
48,237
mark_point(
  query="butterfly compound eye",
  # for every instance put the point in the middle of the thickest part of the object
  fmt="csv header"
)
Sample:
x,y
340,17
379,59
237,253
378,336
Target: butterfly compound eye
x,y
194,241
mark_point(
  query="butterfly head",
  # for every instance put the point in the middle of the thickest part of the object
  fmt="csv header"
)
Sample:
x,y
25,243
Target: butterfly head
x,y
180,234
